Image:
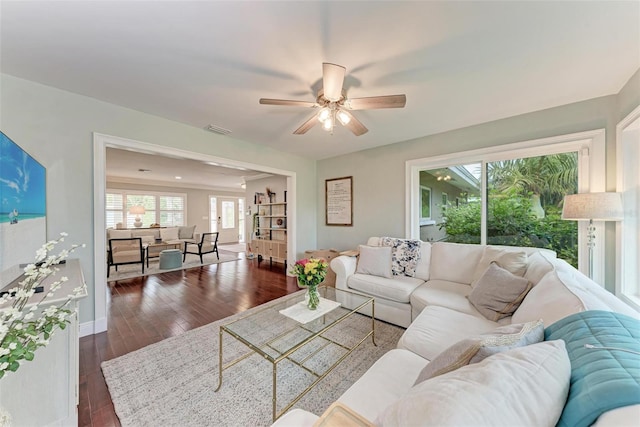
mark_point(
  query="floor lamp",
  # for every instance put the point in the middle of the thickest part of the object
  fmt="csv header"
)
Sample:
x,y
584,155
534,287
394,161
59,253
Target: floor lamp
x,y
592,207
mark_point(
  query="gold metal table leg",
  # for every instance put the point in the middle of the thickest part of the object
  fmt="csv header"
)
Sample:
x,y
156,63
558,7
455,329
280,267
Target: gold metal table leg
x,y
219,362
373,322
274,390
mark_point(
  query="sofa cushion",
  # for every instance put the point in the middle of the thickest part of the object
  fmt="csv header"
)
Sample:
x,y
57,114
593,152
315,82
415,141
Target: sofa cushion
x,y
145,232
443,294
397,288
119,234
512,260
169,234
374,260
498,293
422,269
437,328
538,264
592,295
526,386
454,262
405,254
389,378
186,232
604,377
477,348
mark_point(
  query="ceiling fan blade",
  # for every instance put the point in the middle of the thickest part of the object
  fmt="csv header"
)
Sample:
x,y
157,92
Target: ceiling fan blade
x,y
373,102
332,80
355,125
304,128
287,103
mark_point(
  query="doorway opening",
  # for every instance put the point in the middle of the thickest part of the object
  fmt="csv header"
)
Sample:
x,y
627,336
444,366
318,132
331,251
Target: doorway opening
x,y
101,143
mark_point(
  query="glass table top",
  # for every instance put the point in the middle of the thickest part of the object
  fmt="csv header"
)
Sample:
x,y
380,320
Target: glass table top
x,y
274,335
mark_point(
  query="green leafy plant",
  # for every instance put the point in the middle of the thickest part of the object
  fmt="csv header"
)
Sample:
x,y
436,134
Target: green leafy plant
x,y
25,325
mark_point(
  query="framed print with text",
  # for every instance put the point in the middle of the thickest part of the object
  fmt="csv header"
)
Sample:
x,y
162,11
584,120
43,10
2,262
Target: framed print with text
x,y
339,201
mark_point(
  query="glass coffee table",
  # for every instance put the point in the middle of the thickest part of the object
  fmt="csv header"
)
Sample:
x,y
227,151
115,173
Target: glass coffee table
x,y
315,346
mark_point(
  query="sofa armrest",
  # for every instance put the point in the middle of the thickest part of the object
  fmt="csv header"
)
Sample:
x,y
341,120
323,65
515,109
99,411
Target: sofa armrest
x,y
343,266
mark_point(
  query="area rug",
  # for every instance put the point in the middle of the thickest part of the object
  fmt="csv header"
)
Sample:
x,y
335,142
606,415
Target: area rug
x,y
135,270
172,383
234,247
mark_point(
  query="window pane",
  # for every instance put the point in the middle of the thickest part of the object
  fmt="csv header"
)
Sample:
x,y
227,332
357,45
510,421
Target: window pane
x,y
114,201
113,218
171,219
114,209
228,214
524,203
630,231
241,221
148,202
171,203
171,211
457,221
213,213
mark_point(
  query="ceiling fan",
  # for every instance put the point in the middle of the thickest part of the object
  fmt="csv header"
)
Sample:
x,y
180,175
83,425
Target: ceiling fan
x,y
334,104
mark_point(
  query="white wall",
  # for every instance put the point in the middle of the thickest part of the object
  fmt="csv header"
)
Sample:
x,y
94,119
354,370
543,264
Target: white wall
x,y
57,128
379,173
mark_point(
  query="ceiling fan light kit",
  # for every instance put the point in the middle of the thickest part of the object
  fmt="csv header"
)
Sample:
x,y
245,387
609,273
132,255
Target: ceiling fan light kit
x,y
334,104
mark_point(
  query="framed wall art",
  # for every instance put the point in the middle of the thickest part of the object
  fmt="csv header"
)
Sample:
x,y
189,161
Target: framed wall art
x,y
23,221
339,201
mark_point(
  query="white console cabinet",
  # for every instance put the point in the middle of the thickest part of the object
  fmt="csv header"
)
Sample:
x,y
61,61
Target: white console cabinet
x,y
44,391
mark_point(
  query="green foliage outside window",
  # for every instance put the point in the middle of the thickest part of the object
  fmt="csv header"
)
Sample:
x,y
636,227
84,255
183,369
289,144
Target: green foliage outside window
x,y
512,224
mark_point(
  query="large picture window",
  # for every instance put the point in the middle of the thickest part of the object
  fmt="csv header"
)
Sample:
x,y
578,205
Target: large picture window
x,y
510,195
167,210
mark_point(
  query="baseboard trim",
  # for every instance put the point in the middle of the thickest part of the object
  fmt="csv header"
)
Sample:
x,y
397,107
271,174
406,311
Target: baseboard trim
x,y
93,327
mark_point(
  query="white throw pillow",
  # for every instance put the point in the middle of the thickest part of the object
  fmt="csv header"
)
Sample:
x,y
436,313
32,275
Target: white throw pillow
x,y
186,232
526,386
538,266
169,234
514,261
375,261
119,234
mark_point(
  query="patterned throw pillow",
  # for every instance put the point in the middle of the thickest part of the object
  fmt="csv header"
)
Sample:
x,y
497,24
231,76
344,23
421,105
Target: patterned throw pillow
x,y
477,348
405,255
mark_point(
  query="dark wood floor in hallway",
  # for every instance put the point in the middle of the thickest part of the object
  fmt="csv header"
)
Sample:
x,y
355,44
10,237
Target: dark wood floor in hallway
x,y
146,310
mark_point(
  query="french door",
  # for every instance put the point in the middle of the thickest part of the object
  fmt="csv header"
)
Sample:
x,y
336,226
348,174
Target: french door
x,y
225,218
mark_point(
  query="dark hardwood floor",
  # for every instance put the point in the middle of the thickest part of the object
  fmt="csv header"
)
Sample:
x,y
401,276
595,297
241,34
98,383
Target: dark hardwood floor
x,y
146,310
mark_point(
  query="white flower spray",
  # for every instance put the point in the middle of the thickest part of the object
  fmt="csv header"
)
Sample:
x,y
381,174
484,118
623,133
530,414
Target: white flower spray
x,y
23,331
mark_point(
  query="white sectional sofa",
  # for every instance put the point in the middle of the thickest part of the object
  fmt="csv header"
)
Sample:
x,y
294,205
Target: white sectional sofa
x,y
435,307
176,235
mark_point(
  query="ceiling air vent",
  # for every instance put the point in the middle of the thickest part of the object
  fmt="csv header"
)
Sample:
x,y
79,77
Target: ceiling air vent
x,y
218,130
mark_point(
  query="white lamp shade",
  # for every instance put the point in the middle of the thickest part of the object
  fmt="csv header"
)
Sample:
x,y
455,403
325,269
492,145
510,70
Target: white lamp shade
x,y
595,206
137,210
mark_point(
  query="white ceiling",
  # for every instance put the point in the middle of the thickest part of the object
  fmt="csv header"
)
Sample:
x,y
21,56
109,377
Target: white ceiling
x,y
125,166
202,62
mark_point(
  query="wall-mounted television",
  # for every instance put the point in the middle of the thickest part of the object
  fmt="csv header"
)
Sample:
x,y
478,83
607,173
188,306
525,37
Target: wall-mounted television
x,y
23,207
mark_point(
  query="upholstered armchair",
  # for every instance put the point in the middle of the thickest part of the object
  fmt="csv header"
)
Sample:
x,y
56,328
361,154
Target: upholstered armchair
x,y
208,244
125,251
